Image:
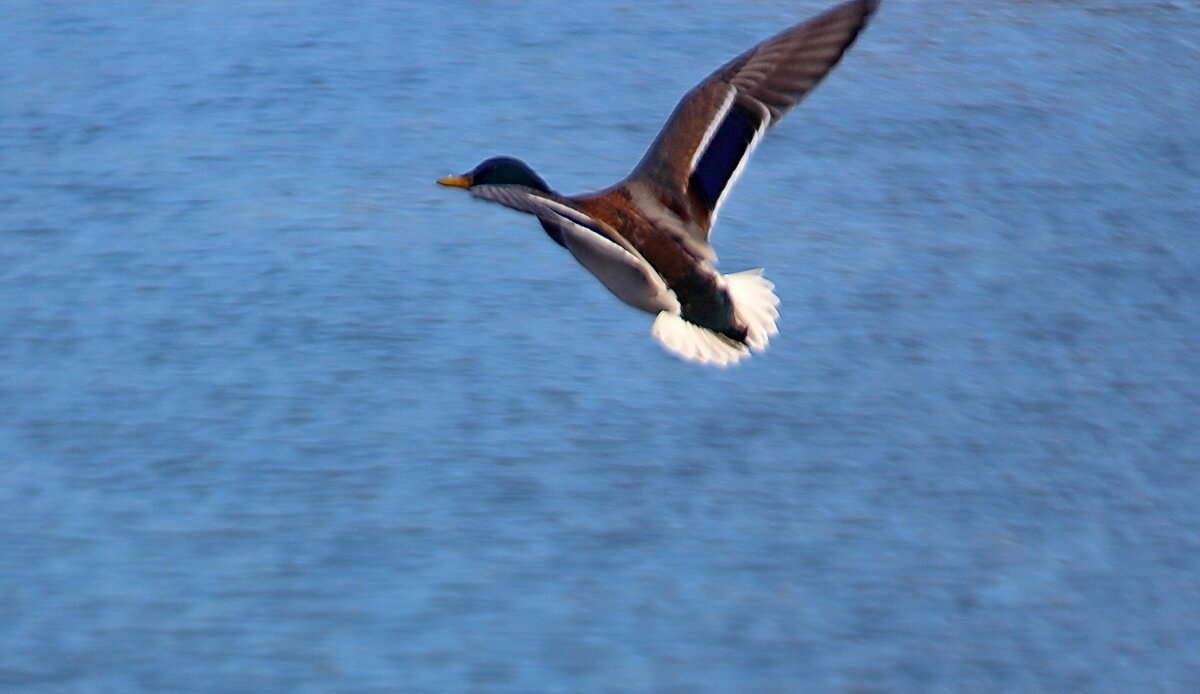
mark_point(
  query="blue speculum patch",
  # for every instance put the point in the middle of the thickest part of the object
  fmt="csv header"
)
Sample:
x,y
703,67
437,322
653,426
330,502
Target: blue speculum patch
x,y
725,151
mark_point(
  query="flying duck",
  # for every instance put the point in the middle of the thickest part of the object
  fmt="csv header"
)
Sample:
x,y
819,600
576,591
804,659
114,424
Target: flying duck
x,y
647,237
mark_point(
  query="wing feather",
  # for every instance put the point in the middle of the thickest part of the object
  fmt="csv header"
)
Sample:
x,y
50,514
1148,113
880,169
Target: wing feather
x,y
691,158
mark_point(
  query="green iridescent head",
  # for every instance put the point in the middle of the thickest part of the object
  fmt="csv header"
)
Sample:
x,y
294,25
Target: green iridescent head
x,y
498,171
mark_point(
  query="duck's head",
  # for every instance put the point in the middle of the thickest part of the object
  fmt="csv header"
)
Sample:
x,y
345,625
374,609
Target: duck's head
x,y
498,171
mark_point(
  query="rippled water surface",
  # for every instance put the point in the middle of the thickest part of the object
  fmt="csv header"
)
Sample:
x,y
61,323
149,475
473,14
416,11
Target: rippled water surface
x,y
280,415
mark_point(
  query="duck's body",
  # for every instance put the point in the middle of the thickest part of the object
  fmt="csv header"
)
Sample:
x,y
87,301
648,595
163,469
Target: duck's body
x,y
646,238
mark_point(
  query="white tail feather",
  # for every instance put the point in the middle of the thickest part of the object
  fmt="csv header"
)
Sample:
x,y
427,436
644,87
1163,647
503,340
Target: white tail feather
x,y
754,305
695,343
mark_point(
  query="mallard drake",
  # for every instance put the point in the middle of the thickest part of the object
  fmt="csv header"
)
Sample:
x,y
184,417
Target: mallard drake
x,y
647,237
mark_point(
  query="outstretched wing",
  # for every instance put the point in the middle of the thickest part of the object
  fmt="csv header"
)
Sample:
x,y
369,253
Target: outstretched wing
x,y
707,140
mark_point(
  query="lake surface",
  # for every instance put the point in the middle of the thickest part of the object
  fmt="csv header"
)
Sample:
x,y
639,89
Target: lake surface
x,y
281,415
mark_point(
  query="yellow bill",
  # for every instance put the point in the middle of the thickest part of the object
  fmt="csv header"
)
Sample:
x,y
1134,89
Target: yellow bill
x,y
455,181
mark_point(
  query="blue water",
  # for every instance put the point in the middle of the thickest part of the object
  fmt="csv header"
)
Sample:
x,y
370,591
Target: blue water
x,y
281,415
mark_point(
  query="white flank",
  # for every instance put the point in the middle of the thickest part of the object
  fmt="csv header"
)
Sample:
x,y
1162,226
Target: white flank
x,y
628,276
693,343
754,305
